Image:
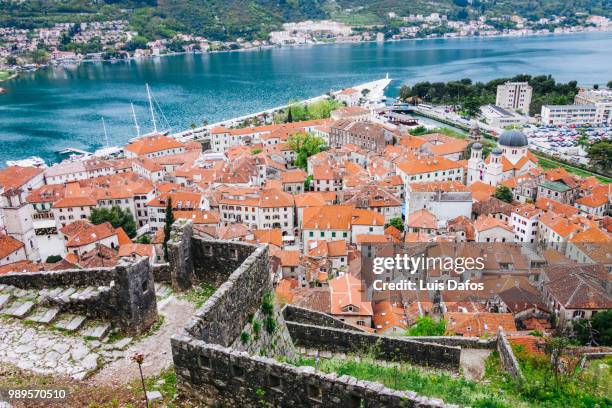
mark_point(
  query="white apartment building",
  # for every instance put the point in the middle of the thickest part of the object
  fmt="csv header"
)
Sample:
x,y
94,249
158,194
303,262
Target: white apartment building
x,y
48,239
74,170
430,169
563,115
16,183
602,99
259,209
70,209
499,117
524,221
181,201
336,222
514,95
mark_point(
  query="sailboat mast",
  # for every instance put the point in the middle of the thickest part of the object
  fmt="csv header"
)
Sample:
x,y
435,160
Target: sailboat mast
x,y
151,108
105,133
136,125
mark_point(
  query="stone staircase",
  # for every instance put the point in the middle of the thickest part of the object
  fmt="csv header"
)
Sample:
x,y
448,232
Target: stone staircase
x,y
39,330
45,307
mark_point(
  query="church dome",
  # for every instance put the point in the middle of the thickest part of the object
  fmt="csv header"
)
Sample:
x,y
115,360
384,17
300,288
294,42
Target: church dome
x,y
513,138
476,146
496,151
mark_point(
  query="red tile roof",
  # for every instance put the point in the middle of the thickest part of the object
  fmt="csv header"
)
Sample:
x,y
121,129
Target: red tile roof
x,y
8,245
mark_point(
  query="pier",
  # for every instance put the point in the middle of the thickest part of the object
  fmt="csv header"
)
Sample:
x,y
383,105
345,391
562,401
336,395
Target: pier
x,y
72,150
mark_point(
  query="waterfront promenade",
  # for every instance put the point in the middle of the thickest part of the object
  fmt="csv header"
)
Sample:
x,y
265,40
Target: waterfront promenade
x,y
376,88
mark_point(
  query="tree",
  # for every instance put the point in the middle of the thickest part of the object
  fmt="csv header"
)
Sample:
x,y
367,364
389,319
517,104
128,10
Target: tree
x,y
143,239
471,106
555,346
418,131
40,56
596,331
137,42
404,93
169,220
600,154
53,259
307,183
397,222
503,193
289,116
304,145
117,217
426,326
609,84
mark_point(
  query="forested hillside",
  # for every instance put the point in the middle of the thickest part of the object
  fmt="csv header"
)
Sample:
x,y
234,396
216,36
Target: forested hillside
x,y
229,19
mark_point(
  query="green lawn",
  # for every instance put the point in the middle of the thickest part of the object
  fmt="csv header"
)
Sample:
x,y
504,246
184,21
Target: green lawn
x,y
456,390
591,388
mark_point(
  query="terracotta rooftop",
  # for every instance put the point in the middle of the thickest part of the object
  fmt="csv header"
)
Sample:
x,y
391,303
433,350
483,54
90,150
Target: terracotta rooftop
x,y
90,234
15,176
152,144
8,245
478,324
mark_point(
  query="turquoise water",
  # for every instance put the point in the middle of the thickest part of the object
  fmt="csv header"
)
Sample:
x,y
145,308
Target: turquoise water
x,y
60,107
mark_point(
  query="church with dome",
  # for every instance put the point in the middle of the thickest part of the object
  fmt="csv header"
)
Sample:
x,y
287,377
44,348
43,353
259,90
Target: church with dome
x,y
509,159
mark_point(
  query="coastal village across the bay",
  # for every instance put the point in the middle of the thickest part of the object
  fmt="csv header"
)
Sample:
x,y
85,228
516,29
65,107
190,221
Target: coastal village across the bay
x,y
71,42
319,194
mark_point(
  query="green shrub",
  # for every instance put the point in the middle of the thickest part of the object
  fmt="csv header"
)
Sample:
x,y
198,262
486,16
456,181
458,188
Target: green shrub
x,y
256,327
270,324
267,304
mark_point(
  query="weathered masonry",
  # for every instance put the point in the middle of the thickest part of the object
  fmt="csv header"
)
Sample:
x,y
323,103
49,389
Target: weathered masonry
x,y
214,366
123,295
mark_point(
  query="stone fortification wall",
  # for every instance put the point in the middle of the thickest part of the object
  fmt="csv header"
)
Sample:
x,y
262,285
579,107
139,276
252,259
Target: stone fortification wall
x,y
217,260
220,376
68,277
458,341
300,315
125,294
507,357
161,272
381,347
225,314
215,367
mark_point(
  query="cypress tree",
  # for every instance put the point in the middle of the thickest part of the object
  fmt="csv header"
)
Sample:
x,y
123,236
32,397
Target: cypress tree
x,y
169,220
289,116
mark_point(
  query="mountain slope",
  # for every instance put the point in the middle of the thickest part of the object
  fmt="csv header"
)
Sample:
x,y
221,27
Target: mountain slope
x,y
229,19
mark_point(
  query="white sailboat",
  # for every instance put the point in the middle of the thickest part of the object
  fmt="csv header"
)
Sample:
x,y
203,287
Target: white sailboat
x,y
107,150
153,106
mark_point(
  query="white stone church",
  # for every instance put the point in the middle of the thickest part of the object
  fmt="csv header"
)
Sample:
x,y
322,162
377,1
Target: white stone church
x,y
509,159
